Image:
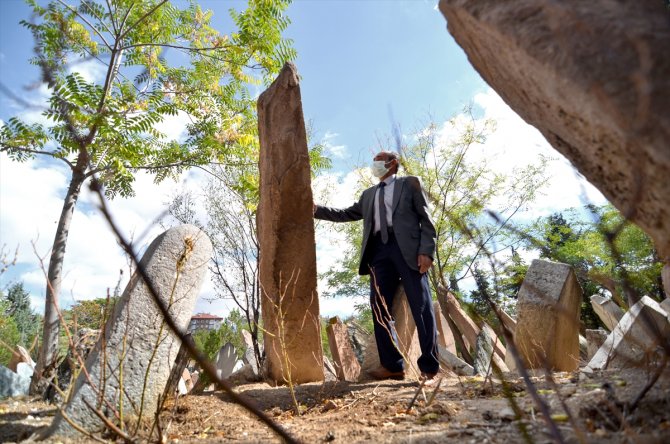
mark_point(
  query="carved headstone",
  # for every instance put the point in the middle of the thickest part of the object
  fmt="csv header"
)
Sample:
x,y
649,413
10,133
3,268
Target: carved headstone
x,y
289,300
346,364
607,310
638,338
137,348
445,337
547,329
408,340
604,105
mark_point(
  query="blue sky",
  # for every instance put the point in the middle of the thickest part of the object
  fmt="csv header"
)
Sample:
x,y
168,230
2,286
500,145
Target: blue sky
x,y
360,61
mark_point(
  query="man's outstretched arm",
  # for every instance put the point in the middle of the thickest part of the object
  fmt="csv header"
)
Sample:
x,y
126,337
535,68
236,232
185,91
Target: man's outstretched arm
x,y
350,214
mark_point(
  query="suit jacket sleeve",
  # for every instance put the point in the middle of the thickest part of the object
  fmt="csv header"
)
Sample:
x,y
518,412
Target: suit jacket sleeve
x,y
428,233
350,214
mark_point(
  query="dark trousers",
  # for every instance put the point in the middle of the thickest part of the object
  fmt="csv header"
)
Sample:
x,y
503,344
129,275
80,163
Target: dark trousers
x,y
388,270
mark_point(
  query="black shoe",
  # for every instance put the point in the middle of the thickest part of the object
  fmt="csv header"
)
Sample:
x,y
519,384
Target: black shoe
x,y
382,373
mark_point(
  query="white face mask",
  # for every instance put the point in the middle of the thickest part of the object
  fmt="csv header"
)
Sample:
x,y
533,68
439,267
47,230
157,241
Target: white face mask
x,y
379,168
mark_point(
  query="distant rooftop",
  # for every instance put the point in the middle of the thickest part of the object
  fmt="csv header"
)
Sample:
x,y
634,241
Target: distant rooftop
x,y
205,316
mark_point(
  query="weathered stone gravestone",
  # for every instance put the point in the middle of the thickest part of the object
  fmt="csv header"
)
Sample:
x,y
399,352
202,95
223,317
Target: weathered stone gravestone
x,y
452,362
289,299
249,355
445,337
607,310
346,365
226,358
12,383
636,340
483,353
547,329
408,340
604,105
138,349
594,340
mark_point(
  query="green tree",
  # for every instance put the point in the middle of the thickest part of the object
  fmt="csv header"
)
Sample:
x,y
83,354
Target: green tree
x,y
608,254
107,130
9,333
19,309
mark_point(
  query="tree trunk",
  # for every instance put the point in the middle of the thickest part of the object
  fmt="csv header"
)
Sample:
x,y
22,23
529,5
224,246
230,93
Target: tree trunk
x,y
48,355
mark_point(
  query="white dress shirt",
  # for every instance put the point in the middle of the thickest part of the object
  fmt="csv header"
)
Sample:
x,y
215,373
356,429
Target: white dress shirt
x,y
388,201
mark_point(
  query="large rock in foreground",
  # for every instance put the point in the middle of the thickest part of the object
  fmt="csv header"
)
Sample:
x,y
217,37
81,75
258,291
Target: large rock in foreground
x,y
289,300
130,364
594,78
547,329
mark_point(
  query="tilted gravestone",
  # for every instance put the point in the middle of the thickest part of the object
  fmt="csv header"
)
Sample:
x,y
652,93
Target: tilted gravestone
x,y
607,310
346,365
547,329
640,337
445,337
408,340
594,340
226,358
130,364
249,354
285,220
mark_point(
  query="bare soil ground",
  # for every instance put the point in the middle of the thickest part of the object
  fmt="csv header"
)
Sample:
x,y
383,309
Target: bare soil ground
x,y
463,410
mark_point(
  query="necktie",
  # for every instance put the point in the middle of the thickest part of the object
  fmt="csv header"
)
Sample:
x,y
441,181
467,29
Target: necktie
x,y
383,227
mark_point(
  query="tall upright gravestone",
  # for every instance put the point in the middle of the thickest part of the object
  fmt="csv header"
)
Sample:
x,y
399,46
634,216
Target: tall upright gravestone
x,y
131,362
289,299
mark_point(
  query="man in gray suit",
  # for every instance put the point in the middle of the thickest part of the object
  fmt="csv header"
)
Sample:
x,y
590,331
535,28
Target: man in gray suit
x,y
398,247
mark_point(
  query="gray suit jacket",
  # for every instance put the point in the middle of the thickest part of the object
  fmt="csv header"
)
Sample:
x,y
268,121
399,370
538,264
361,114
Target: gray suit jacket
x,y
412,224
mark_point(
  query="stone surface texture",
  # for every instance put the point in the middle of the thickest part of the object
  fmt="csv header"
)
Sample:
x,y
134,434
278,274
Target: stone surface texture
x,y
346,365
594,339
249,355
593,77
407,337
508,321
607,310
468,328
452,362
226,359
12,384
285,219
665,277
547,330
640,336
136,339
445,337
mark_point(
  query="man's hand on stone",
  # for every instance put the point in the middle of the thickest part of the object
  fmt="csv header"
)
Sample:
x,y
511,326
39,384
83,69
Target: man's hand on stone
x,y
424,262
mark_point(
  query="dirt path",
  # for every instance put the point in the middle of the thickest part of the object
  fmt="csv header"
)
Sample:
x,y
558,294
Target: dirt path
x,y
463,410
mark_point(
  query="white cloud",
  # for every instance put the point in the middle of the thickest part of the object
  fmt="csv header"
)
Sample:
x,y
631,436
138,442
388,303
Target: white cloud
x,y
31,198
336,151
93,71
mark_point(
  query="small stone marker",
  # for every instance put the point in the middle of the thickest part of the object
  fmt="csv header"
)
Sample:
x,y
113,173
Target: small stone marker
x,y
14,384
483,353
607,310
445,337
249,355
285,220
547,330
346,364
594,340
468,328
457,365
635,340
226,358
407,337
137,340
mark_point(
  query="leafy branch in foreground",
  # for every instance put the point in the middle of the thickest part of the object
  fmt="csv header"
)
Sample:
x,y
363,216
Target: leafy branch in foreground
x,y
160,62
